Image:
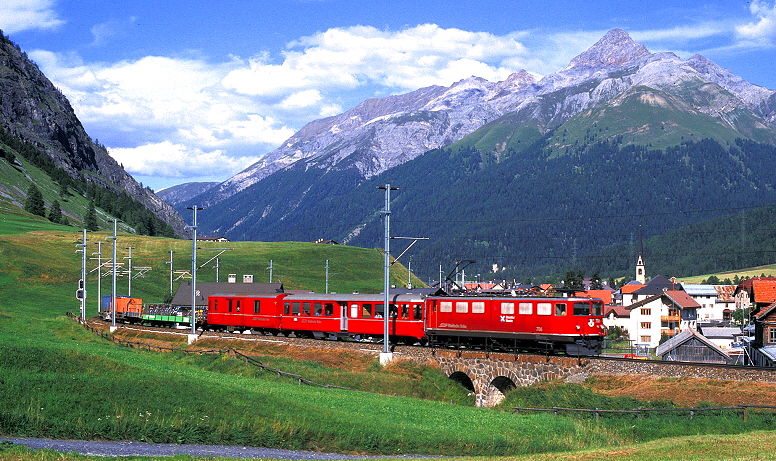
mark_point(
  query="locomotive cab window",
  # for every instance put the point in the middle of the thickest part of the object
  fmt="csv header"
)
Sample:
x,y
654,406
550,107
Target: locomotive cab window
x,y
560,309
581,309
598,308
544,309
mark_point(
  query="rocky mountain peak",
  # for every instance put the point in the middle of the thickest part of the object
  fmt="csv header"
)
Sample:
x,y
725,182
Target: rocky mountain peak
x,y
612,50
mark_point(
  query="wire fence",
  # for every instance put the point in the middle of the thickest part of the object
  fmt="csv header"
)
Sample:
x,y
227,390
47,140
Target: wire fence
x,y
230,352
641,412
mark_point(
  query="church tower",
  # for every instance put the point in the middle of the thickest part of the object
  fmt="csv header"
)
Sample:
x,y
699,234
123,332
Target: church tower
x,y
641,274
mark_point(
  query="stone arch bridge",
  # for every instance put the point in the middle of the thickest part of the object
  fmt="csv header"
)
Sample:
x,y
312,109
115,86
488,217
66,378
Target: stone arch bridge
x,y
490,375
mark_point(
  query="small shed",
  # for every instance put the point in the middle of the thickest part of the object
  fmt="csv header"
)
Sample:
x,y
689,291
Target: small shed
x,y
205,289
691,346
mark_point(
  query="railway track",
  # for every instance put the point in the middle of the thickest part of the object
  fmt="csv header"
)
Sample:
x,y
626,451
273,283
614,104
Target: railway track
x,y
364,347
374,348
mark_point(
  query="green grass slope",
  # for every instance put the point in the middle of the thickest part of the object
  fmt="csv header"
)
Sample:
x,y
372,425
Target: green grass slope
x,y
58,380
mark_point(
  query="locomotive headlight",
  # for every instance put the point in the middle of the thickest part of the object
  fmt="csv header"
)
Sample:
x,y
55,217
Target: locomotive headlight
x,y
578,328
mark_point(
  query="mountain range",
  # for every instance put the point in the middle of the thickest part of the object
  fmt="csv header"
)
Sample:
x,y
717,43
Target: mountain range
x,y
38,119
527,176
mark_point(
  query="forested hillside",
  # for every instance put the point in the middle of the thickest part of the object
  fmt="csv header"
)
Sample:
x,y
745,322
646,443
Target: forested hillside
x,y
540,212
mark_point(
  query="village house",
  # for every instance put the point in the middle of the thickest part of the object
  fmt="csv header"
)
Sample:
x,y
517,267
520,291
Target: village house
x,y
616,317
212,239
625,295
666,313
716,302
756,293
763,351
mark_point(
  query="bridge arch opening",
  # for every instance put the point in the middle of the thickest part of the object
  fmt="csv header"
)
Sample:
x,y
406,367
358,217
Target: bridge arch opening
x,y
503,384
497,390
463,379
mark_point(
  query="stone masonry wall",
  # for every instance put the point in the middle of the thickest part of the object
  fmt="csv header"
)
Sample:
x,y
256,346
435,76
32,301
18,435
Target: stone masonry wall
x,y
493,374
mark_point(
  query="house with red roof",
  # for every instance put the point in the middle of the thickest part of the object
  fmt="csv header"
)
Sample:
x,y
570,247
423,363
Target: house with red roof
x,y
616,316
755,294
626,292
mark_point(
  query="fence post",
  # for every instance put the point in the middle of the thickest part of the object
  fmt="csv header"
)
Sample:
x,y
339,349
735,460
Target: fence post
x,y
746,414
596,414
692,413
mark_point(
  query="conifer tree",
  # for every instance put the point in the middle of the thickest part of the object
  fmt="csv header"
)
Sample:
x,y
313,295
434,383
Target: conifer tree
x,y
55,213
90,221
34,203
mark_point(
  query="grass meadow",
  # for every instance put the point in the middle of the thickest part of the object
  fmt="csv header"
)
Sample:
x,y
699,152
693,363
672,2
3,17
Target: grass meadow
x,y
58,380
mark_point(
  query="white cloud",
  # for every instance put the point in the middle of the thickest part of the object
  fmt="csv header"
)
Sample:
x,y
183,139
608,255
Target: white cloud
x,y
301,99
763,29
170,160
345,58
19,15
109,31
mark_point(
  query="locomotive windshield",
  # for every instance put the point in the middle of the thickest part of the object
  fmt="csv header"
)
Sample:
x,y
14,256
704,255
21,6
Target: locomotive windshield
x,y
582,308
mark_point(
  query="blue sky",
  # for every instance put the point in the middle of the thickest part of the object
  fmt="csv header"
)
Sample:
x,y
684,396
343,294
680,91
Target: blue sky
x,y
196,91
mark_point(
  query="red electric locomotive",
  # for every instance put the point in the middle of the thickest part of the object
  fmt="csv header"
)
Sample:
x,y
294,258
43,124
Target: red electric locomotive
x,y
571,325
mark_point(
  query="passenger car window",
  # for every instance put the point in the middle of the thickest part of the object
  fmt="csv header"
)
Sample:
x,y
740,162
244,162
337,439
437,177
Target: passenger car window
x,y
526,309
508,308
478,307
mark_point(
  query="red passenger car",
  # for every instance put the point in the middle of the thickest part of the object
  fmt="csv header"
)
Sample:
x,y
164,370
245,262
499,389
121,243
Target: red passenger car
x,y
232,312
354,315
571,324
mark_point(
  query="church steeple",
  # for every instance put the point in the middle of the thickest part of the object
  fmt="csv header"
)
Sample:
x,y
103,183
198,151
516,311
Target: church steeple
x,y
641,273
